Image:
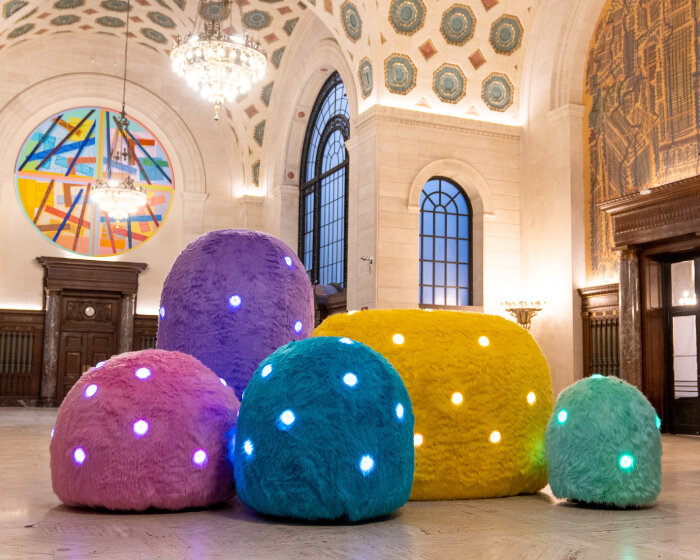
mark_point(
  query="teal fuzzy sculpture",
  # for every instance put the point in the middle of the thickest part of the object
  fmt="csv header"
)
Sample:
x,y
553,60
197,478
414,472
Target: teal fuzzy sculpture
x,y
325,432
603,445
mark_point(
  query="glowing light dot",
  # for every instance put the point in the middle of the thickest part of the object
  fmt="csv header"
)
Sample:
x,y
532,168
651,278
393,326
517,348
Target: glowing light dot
x,y
99,364
248,447
352,312
143,373
140,428
52,431
495,436
350,379
366,464
223,381
199,458
531,398
562,416
161,312
90,391
287,418
597,376
484,341
457,399
79,456
298,326
398,339
399,411
658,423
235,301
626,461
346,340
267,370
288,261
417,440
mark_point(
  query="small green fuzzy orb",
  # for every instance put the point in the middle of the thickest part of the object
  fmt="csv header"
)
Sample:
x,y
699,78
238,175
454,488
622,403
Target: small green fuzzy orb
x,y
603,445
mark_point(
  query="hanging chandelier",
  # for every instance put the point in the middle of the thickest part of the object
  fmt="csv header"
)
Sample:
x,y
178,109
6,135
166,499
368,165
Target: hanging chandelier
x,y
220,66
120,197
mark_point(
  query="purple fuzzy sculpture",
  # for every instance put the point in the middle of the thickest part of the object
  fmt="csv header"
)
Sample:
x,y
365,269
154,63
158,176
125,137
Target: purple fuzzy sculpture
x,y
231,299
144,430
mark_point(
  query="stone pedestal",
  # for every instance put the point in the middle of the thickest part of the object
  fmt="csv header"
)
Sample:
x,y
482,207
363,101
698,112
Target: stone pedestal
x,y
630,319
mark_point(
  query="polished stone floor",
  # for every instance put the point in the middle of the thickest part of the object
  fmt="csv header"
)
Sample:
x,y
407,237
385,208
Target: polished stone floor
x,y
34,525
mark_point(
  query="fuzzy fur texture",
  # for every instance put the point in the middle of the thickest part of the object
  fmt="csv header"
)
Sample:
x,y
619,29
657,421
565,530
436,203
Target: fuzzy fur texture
x,y
196,312
187,409
441,356
311,469
606,419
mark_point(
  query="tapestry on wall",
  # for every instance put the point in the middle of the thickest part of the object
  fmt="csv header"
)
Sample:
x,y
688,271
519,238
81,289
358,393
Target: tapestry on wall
x,y
642,99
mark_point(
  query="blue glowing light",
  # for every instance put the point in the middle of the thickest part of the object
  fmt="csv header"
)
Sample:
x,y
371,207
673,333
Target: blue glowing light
x,y
90,391
199,458
223,381
597,376
346,340
626,462
562,416
79,456
140,428
399,411
161,312
286,419
235,301
143,373
248,447
298,326
267,370
366,464
99,364
350,379
658,422
288,261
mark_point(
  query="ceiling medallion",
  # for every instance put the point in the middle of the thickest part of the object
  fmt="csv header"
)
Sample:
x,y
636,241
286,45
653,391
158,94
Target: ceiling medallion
x,y
219,65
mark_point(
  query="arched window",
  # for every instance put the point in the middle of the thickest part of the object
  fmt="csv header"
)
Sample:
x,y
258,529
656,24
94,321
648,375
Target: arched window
x,y
445,244
324,187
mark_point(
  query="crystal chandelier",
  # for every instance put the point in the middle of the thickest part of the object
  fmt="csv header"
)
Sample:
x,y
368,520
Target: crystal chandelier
x,y
120,198
219,66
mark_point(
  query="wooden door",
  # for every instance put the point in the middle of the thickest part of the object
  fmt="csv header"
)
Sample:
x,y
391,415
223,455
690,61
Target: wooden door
x,y
88,335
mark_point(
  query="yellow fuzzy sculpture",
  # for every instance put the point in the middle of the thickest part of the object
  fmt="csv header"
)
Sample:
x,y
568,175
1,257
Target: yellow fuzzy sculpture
x,y
481,394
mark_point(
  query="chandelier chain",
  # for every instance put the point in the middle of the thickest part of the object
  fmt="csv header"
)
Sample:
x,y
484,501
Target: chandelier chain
x,y
126,54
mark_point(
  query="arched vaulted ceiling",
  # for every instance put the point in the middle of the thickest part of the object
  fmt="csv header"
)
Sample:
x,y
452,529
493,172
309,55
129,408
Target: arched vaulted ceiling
x,y
462,58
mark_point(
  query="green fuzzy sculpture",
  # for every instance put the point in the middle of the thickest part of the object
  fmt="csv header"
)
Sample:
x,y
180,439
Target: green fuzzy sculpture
x,y
603,445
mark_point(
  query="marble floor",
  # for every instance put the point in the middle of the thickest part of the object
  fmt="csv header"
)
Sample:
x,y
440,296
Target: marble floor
x,y
34,524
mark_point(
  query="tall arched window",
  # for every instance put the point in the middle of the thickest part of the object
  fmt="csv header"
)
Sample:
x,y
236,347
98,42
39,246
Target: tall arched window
x,y
445,244
324,187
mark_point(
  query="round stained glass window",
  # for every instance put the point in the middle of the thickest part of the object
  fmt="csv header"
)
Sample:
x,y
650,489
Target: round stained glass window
x,y
59,164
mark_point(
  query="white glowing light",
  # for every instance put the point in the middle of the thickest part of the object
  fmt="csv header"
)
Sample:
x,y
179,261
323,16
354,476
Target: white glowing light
x,y
143,373
235,301
398,338
457,399
90,391
223,381
417,440
248,447
495,436
288,261
346,340
287,418
484,341
79,456
597,376
199,458
562,416
161,312
399,411
52,431
267,370
531,398
140,428
626,462
298,326
366,464
99,364
350,379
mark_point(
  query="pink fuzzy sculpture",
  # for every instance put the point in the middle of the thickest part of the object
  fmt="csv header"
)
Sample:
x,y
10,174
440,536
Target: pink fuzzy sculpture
x,y
144,430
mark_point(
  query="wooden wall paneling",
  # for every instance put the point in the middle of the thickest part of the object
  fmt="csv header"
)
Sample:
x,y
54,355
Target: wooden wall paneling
x,y
21,343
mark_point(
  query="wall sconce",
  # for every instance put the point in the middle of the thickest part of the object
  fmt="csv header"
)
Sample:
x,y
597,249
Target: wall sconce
x,y
523,311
